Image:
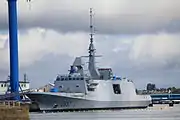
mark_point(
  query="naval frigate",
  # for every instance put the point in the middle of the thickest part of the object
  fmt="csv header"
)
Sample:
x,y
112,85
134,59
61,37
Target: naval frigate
x,y
91,88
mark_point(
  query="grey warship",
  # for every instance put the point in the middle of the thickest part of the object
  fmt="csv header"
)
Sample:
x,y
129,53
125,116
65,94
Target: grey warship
x,y
91,88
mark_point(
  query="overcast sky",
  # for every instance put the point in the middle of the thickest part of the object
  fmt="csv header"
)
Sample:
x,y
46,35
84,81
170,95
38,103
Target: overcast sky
x,y
139,39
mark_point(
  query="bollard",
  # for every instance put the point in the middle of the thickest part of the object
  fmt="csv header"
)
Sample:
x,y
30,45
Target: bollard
x,y
171,104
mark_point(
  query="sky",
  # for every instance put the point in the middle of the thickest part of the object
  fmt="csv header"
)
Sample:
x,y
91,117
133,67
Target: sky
x,y
139,39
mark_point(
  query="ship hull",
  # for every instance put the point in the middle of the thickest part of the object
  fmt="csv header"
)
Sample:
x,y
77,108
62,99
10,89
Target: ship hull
x,y
56,102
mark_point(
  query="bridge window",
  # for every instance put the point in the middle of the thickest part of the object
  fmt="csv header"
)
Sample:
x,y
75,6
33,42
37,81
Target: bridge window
x,y
82,78
58,78
77,78
1,85
74,78
77,85
116,88
66,79
70,78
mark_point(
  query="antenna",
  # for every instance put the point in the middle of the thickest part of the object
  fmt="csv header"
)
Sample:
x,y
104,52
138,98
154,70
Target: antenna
x,y
25,77
92,32
91,26
91,46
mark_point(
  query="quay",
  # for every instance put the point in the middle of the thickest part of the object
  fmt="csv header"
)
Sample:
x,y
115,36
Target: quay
x,y
14,110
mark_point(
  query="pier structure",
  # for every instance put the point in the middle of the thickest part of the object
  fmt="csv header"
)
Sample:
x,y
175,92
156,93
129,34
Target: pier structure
x,y
165,98
13,48
13,110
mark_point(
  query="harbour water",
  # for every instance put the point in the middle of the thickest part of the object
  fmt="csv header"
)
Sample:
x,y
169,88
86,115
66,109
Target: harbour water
x,y
158,112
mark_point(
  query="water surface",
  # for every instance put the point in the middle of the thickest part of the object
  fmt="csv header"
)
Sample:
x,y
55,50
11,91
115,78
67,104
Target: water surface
x,y
158,112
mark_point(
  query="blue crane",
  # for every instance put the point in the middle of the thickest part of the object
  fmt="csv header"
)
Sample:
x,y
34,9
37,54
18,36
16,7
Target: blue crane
x,y
13,43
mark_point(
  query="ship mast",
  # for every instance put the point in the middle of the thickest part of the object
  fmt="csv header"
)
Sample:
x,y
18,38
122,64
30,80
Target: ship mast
x,y
92,67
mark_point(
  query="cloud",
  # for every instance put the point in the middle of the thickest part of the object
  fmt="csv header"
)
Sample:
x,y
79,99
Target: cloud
x,y
3,50
156,49
161,49
3,39
34,44
111,16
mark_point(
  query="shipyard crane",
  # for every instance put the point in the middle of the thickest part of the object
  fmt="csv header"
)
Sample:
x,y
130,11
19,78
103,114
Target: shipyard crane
x,y
13,47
